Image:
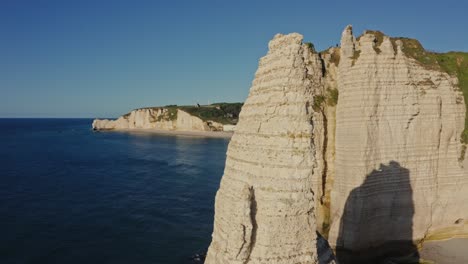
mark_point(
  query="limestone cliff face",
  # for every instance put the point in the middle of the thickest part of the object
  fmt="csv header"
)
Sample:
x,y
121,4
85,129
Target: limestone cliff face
x,y
375,170
398,125
157,118
264,211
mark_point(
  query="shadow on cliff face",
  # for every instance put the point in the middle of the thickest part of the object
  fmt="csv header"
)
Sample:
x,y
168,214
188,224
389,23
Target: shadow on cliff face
x,y
377,221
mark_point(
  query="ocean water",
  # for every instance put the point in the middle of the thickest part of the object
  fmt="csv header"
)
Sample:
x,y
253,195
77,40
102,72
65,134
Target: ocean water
x,y
71,195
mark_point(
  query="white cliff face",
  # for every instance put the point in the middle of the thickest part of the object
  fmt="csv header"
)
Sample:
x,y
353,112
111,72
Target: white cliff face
x,y
264,210
157,118
398,126
187,122
376,173
146,118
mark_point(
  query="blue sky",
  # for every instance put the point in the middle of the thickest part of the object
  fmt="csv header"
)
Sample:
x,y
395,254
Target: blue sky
x,y
103,58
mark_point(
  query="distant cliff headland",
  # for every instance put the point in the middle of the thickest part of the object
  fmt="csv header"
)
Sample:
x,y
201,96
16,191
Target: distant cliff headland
x,y
214,117
364,143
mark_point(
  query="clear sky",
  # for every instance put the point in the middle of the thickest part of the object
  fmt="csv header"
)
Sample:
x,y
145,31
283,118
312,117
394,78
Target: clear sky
x,y
80,58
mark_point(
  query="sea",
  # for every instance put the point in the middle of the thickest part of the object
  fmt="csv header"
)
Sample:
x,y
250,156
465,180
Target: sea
x,y
72,195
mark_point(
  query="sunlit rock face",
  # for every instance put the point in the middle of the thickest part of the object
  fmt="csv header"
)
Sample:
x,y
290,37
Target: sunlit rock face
x,y
157,118
398,178
360,142
264,211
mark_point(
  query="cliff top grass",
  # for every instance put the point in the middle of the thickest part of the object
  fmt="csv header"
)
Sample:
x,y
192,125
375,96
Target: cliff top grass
x,y
224,113
454,63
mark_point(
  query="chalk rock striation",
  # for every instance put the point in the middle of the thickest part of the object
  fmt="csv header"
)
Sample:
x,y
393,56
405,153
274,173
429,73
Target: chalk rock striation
x,y
264,209
362,143
397,174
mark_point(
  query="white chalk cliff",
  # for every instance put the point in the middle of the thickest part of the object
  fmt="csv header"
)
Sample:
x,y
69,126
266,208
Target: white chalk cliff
x,y
397,149
376,170
160,119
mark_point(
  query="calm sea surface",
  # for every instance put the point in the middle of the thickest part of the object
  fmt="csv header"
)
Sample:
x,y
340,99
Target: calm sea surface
x,y
71,195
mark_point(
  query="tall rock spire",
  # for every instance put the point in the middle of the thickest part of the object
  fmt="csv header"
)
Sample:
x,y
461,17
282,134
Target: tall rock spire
x,y
264,211
347,42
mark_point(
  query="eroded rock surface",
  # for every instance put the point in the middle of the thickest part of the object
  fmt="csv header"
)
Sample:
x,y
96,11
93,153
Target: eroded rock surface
x,y
397,171
376,170
264,210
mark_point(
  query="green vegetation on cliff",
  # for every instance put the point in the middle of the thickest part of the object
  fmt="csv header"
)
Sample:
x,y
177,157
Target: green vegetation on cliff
x,y
310,46
224,113
171,114
355,57
330,98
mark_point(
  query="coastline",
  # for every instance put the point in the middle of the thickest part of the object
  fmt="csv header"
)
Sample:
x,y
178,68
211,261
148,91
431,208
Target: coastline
x,y
209,134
